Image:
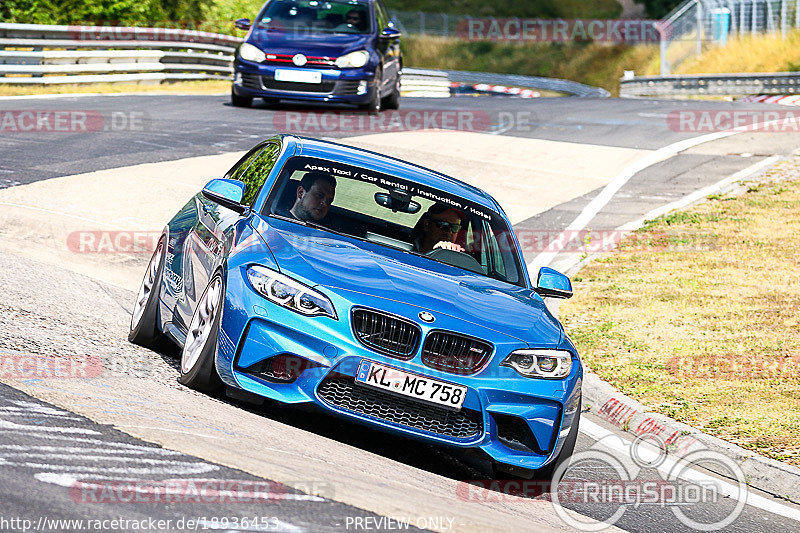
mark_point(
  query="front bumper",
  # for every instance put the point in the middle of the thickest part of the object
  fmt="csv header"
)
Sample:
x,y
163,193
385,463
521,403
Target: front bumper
x,y
515,420
349,86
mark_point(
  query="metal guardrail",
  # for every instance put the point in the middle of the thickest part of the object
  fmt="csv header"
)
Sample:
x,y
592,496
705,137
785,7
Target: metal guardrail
x,y
711,84
535,82
48,54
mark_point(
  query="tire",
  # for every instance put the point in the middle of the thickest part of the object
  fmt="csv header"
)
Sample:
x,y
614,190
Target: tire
x,y
374,105
144,318
393,100
567,449
240,101
200,349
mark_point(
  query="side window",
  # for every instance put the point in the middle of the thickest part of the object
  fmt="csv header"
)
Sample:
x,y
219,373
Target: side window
x,y
236,171
382,16
256,173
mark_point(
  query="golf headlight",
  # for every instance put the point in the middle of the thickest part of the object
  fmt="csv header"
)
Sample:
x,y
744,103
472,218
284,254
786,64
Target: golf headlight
x,y
289,293
553,364
248,52
353,59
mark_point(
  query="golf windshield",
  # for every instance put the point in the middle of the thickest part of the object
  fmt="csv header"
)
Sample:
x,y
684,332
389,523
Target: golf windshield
x,y
314,16
393,212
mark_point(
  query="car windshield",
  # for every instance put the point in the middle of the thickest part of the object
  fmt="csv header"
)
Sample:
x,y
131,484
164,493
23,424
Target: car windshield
x,y
315,16
396,213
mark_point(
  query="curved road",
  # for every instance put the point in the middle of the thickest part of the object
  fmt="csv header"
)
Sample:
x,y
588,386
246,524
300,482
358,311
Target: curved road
x,y
322,474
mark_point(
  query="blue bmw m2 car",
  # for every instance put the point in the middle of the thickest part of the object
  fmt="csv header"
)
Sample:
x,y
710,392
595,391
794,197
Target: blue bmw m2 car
x,y
344,51
380,291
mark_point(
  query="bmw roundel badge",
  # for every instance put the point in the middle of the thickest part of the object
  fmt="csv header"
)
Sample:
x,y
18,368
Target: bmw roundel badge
x,y
426,317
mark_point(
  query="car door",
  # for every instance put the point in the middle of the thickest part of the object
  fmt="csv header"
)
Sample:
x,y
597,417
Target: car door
x,y
204,245
389,49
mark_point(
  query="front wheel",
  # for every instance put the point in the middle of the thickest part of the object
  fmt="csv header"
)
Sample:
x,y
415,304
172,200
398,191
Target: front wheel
x,y
200,349
393,100
240,101
144,328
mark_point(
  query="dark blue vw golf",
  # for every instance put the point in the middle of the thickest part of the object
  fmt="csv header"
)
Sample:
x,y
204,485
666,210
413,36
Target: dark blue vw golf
x,y
344,51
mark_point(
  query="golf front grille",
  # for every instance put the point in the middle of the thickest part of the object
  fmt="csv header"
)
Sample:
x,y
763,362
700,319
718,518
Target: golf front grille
x,y
458,354
343,393
387,334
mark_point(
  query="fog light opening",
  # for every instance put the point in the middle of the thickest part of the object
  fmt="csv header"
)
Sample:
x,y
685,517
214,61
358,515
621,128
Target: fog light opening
x,y
362,88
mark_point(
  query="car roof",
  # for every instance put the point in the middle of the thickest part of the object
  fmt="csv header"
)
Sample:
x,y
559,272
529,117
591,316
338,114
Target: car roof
x,y
308,146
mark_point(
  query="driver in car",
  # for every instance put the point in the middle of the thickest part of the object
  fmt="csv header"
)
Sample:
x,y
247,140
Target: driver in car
x,y
314,197
438,228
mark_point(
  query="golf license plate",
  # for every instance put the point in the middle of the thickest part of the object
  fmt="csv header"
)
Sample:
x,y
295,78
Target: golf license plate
x,y
404,383
299,76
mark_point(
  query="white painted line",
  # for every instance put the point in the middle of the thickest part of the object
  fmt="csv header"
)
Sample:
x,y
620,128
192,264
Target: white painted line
x,y
89,457
187,468
82,95
5,424
622,446
698,195
79,449
608,192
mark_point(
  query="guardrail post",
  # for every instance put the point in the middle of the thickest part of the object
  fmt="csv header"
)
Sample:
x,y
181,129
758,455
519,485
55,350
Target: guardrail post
x,y
797,14
699,7
662,44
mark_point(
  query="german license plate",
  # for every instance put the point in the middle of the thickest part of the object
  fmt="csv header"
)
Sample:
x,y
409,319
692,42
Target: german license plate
x,y
390,379
299,76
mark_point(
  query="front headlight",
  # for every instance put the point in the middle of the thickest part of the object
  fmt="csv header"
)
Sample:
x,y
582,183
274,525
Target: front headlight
x,y
552,364
353,60
289,293
248,52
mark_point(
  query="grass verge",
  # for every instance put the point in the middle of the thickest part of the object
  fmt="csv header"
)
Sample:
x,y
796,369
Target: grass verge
x,y
696,316
182,87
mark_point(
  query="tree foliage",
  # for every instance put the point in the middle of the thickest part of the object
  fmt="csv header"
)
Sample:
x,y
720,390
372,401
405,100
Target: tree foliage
x,y
101,11
658,9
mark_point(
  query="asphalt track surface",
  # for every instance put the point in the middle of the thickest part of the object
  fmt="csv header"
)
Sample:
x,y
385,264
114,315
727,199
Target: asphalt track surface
x,y
35,467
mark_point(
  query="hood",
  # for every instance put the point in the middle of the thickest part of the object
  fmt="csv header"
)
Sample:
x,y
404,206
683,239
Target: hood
x,y
317,257
317,45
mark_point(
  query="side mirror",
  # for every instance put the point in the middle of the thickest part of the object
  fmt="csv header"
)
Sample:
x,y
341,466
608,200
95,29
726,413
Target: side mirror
x,y
227,193
242,24
553,284
390,33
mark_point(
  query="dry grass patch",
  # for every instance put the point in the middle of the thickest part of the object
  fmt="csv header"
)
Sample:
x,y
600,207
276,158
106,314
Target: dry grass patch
x,y
696,316
178,87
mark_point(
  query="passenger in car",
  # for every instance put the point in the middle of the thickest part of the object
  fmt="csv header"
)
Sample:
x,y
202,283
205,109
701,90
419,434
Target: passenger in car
x,y
438,228
314,197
